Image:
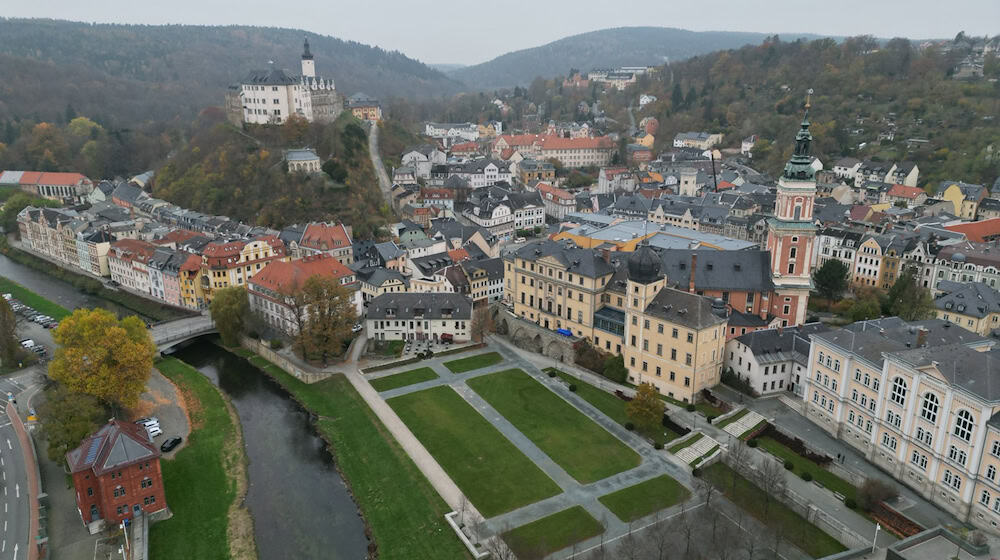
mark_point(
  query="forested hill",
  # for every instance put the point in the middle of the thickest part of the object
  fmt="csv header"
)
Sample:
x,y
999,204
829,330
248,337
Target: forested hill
x,y
607,48
123,74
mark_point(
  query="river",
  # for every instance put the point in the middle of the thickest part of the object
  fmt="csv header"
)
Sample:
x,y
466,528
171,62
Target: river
x,y
300,503
56,290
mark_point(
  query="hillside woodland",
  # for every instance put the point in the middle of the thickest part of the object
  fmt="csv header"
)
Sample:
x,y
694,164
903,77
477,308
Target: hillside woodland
x,y
122,75
606,48
862,87
223,170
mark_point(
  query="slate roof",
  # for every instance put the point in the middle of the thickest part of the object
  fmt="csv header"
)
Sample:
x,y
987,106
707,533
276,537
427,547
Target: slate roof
x,y
975,372
379,276
683,308
301,155
586,262
270,77
719,270
433,306
870,339
117,444
492,267
974,299
430,264
779,345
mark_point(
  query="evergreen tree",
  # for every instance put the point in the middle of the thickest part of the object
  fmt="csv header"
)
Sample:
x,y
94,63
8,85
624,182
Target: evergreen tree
x,y
908,300
831,279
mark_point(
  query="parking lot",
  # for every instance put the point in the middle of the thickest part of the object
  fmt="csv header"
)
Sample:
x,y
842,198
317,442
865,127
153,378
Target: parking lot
x,y
33,328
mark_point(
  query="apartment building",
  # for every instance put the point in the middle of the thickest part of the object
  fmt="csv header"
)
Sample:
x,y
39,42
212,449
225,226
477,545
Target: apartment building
x,y
772,360
228,264
328,238
419,317
272,292
973,306
919,400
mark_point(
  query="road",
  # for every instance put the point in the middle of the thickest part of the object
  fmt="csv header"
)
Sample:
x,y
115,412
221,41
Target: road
x,y
384,184
15,517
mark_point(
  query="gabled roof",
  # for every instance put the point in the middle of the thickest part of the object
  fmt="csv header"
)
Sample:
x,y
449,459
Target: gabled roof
x,y
116,445
904,191
683,308
585,262
983,230
425,305
325,237
974,299
287,277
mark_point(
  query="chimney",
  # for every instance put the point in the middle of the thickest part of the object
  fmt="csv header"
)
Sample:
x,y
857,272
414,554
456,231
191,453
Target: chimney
x,y
606,255
921,337
694,268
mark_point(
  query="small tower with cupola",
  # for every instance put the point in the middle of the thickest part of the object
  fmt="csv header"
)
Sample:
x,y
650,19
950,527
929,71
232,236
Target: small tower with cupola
x,y
791,232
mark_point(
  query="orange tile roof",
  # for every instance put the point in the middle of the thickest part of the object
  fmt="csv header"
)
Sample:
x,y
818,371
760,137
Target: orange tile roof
x,y
465,147
725,185
548,191
286,277
68,179
458,255
30,177
133,249
325,237
905,191
192,264
515,140
983,230
176,236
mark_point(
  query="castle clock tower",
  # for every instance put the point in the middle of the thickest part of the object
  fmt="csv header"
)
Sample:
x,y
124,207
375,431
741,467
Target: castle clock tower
x,y
308,65
791,232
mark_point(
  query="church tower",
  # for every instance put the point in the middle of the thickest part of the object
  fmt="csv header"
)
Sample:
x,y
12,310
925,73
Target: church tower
x,y
308,65
791,232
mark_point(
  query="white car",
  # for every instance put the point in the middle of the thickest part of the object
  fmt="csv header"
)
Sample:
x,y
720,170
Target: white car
x,y
154,431
357,328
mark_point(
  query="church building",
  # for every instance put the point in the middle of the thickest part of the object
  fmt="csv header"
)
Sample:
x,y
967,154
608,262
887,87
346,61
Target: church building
x,y
272,96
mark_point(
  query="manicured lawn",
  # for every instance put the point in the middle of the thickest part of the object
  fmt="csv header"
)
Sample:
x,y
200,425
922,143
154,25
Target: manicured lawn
x,y
555,532
685,443
613,407
473,362
733,418
821,475
748,496
585,450
418,375
389,348
495,475
629,504
756,427
405,513
197,482
33,300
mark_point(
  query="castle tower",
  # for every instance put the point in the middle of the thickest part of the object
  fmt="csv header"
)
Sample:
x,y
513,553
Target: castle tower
x,y
791,232
308,65
643,282
688,185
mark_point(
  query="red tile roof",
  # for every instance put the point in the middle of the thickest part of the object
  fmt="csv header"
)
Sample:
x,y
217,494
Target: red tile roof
x,y
286,277
550,192
68,179
30,177
115,445
905,191
325,237
465,147
176,236
133,249
458,255
516,140
983,230
725,185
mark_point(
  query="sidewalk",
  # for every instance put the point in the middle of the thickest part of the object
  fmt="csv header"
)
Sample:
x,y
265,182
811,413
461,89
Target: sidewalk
x,y
32,473
909,502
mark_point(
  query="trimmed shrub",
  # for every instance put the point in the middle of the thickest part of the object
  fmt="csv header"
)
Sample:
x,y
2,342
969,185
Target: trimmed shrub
x,y
806,476
552,373
709,419
752,443
789,465
277,344
690,407
657,446
696,472
629,426
572,388
875,491
429,354
850,503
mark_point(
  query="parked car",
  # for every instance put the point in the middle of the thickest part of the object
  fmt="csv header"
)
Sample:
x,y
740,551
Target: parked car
x,y
27,343
154,431
151,421
357,327
170,444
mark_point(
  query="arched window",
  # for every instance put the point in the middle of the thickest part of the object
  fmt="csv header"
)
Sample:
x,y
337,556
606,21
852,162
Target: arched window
x,y
963,425
898,395
929,409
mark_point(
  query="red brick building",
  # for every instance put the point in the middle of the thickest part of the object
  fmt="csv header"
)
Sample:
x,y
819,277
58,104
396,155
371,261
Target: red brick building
x,y
116,472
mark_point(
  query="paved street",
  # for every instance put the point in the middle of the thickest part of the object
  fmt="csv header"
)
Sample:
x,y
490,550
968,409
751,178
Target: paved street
x,y
15,517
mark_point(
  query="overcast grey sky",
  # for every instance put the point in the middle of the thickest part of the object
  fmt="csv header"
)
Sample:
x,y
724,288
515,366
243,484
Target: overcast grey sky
x,y
468,32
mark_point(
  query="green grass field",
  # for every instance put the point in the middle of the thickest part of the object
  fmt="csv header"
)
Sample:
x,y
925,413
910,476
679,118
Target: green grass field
x,y
613,407
33,300
585,450
629,504
397,380
473,362
675,448
704,408
197,482
555,532
748,496
819,474
405,513
495,475
733,418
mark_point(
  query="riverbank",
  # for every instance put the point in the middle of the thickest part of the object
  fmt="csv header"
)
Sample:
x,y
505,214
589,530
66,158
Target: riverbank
x,y
33,300
92,286
403,512
207,479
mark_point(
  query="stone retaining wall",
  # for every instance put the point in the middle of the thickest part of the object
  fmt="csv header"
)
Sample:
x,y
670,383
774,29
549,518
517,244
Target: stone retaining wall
x,y
262,350
534,338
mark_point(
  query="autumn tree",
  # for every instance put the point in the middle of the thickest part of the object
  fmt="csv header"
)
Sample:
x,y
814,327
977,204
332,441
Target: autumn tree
x,y
9,345
104,357
482,323
908,300
646,409
230,308
831,279
325,315
67,418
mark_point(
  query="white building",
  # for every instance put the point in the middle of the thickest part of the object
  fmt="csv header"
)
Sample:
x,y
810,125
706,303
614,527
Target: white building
x,y
426,316
421,158
451,133
772,360
271,96
302,161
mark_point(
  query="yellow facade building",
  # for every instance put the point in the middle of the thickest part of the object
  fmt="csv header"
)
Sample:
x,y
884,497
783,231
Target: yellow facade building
x,y
973,306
